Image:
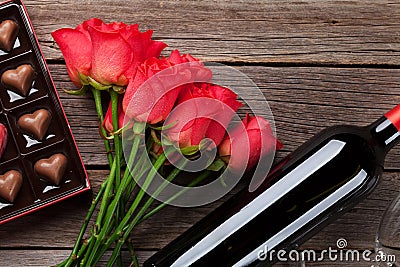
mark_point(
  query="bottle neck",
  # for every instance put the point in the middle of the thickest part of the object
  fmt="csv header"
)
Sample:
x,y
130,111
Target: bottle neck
x,y
386,130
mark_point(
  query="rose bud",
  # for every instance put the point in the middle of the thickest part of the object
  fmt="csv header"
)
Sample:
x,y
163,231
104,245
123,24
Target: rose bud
x,y
107,123
3,139
255,136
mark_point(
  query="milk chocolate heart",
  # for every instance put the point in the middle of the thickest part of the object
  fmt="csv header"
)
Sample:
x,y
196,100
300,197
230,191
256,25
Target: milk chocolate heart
x,y
8,34
52,169
19,79
10,184
36,123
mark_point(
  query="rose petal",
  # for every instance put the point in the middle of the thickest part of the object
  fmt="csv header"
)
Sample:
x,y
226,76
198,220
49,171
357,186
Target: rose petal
x,y
77,51
107,123
112,57
143,48
254,134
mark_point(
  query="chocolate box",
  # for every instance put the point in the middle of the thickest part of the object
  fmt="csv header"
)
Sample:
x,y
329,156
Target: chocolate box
x,y
41,164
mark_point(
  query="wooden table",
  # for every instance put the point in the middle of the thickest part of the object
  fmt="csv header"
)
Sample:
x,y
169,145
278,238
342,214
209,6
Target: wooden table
x,y
318,63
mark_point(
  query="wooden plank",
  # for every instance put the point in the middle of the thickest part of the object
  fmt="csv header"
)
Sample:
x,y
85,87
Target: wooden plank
x,y
328,32
57,226
40,258
303,100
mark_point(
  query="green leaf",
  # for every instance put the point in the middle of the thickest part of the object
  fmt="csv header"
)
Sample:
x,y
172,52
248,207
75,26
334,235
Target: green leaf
x,y
155,137
206,143
164,127
83,78
190,150
98,86
124,128
81,91
166,141
139,127
217,165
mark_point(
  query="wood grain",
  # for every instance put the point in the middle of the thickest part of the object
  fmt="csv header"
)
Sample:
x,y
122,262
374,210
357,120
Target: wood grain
x,y
304,100
318,31
41,257
57,226
317,62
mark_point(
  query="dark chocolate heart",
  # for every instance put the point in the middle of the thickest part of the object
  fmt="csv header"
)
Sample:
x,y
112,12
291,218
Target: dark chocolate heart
x,y
10,184
19,79
52,169
8,35
36,123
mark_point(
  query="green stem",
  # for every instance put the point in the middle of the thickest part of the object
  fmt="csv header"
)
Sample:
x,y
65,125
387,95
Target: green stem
x,y
140,166
61,264
103,207
73,255
139,170
132,224
87,250
99,110
150,201
114,204
119,260
107,196
135,261
196,181
118,154
117,138
107,226
119,230
84,246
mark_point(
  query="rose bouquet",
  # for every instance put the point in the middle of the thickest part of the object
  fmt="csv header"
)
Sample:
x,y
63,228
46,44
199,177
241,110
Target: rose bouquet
x,y
164,115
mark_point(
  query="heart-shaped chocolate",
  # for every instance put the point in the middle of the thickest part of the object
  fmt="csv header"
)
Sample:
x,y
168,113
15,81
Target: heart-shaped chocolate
x,y
19,79
10,184
52,169
36,123
8,34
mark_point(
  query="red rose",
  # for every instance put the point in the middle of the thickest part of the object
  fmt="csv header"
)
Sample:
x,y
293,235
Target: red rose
x,y
150,99
108,53
203,111
107,123
255,136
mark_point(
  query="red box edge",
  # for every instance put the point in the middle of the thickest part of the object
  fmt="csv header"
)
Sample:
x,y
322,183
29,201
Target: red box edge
x,y
88,185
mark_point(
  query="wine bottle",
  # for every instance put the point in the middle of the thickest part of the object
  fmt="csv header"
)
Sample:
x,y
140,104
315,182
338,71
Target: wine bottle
x,y
309,188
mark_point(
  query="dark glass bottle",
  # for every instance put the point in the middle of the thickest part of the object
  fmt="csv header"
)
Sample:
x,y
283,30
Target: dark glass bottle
x,y
309,188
